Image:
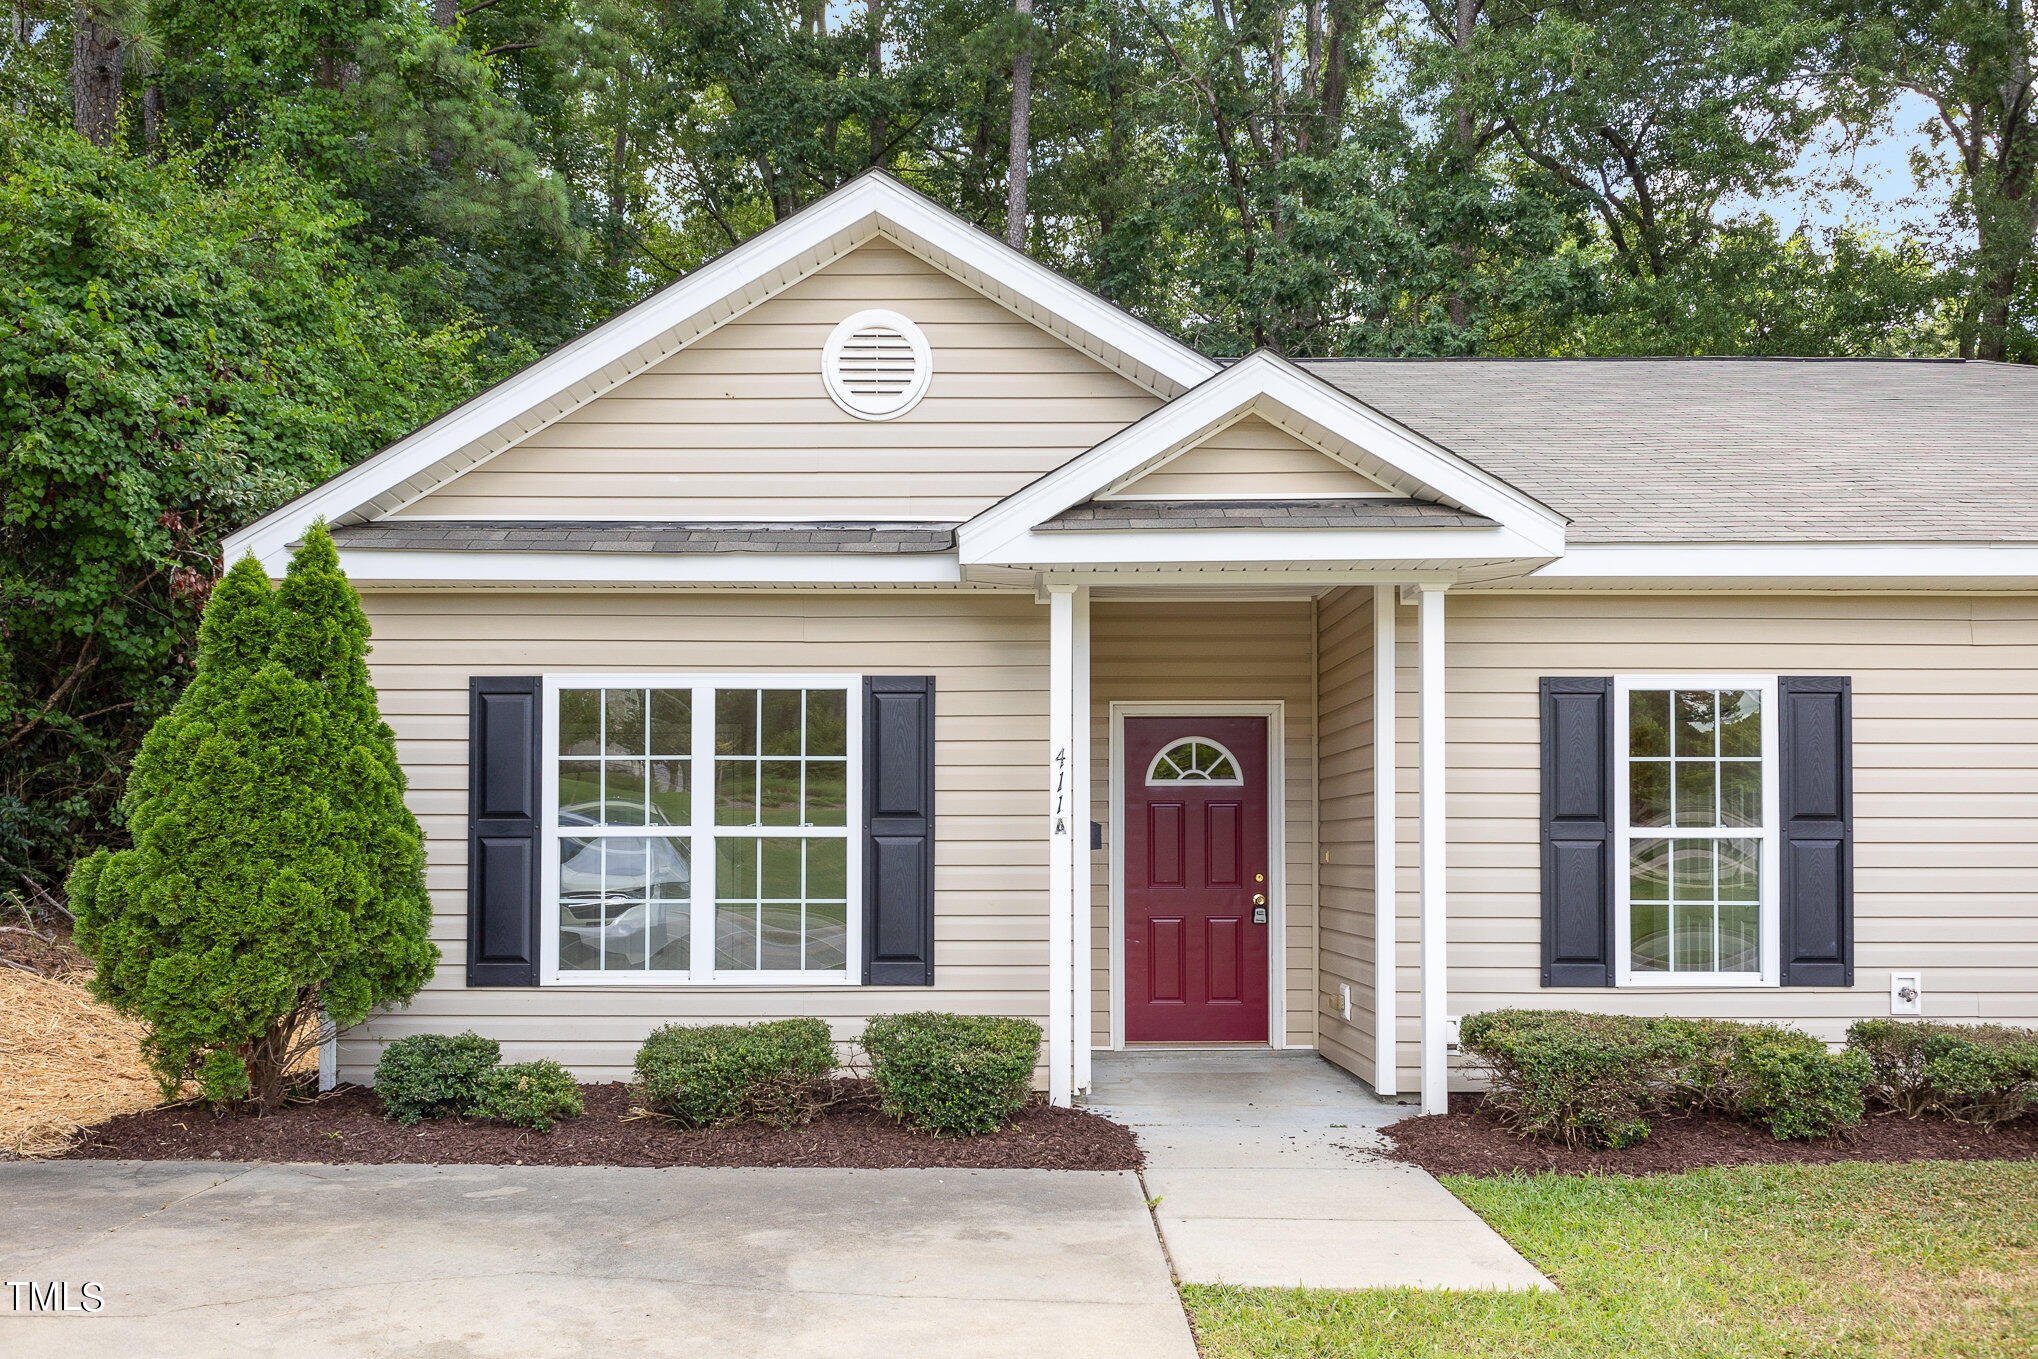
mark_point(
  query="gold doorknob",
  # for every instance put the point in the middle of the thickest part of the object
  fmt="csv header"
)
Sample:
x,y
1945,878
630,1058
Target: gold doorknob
x,y
1259,898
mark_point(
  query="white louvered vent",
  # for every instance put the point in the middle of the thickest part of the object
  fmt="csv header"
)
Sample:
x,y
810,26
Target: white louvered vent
x,y
876,365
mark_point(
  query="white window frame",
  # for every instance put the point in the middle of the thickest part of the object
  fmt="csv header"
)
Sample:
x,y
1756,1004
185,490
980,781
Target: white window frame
x,y
701,831
1237,779
1769,879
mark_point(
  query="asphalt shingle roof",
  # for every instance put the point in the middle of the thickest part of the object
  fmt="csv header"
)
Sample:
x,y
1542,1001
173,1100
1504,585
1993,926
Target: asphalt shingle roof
x,y
607,535
1735,450
1259,514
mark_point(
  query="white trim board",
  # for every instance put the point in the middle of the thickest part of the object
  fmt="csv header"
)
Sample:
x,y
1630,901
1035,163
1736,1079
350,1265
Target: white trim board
x,y
1277,390
1275,711
872,204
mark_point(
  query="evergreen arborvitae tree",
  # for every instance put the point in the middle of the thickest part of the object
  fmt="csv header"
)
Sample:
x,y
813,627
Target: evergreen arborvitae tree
x,y
276,873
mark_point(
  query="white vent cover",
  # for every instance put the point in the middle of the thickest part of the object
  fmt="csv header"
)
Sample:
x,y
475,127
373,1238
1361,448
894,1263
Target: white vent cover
x,y
876,365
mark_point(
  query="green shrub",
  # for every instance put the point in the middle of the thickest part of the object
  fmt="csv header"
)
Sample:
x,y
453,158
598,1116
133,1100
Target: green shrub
x,y
951,1074
1976,1073
1578,1079
433,1075
529,1094
706,1075
276,874
1787,1081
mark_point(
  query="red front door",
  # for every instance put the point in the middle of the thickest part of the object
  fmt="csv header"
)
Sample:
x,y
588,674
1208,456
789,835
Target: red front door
x,y
1196,900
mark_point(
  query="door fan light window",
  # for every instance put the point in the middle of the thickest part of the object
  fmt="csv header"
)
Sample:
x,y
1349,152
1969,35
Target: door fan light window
x,y
700,830
1193,759
876,365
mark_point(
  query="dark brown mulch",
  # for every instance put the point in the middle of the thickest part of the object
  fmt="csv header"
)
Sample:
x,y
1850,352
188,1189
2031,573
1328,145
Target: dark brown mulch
x,y
346,1125
1470,1141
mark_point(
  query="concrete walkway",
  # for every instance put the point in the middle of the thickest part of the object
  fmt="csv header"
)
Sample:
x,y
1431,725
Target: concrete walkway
x,y
431,1262
1266,1171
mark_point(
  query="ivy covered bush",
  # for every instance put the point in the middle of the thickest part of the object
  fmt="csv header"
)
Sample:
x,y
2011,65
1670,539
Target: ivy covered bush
x,y
276,875
708,1075
433,1075
957,1075
1977,1073
1589,1080
529,1094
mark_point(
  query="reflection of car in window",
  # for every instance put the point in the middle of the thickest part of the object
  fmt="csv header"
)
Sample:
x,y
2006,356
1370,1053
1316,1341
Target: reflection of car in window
x,y
619,873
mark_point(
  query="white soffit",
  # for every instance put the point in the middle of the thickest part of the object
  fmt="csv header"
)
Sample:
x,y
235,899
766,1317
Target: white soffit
x,y
872,205
1290,399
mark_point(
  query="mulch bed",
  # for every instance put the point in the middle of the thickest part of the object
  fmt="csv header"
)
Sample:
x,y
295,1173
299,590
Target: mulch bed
x,y
346,1125
1470,1141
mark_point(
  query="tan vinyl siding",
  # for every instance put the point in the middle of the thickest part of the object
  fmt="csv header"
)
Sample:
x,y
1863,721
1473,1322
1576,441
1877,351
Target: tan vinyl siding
x,y
988,654
738,424
1945,800
1345,937
1211,652
1250,460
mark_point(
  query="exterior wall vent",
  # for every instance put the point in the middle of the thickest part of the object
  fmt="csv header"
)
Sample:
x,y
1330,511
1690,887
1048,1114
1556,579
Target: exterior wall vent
x,y
876,365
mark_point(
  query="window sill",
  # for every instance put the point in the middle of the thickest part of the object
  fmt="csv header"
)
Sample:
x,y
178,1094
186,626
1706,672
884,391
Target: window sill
x,y
1696,982
767,981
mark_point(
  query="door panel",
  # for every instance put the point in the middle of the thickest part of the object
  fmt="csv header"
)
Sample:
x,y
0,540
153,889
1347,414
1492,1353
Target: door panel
x,y
1195,857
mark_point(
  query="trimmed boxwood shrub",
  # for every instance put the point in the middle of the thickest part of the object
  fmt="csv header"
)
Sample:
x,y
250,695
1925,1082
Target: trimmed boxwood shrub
x,y
529,1094
1977,1073
706,1075
1595,1080
956,1075
433,1075
1582,1080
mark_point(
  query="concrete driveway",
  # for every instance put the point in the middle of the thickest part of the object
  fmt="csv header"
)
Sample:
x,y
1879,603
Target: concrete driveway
x,y
430,1261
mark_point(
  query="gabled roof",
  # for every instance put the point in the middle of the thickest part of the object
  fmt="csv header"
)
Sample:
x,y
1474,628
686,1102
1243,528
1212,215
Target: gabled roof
x,y
1726,450
1501,522
870,206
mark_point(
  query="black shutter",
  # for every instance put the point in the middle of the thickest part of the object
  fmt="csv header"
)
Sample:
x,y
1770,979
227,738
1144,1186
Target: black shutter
x,y
504,727
1814,722
1578,840
898,830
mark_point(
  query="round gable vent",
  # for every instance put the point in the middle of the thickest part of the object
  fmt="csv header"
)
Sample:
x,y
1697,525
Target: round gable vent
x,y
876,365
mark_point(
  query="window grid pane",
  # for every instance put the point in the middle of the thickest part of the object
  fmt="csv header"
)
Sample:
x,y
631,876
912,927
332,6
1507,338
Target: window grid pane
x,y
779,783
1695,764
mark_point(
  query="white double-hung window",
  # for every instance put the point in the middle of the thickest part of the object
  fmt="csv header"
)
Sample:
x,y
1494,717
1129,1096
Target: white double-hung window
x,y
1695,793
701,829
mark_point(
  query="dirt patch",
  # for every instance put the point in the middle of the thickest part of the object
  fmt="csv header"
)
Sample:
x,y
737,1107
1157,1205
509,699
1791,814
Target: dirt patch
x,y
346,1125
66,1061
1470,1141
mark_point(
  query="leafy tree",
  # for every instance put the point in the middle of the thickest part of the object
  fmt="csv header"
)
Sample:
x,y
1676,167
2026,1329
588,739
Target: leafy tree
x,y
178,357
276,874
1973,61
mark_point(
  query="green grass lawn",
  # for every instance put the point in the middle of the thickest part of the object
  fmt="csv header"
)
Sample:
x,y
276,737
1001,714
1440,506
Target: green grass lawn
x,y
1934,1258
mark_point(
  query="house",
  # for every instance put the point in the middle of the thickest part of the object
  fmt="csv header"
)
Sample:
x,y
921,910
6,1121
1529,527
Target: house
x,y
876,620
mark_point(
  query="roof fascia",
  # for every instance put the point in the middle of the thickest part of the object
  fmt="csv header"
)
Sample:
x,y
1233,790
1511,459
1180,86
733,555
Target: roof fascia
x,y
1261,380
1193,547
1643,565
368,567
872,204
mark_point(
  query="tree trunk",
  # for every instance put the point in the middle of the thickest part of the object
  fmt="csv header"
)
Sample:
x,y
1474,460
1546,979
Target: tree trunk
x,y
1464,154
880,126
445,15
98,56
1022,130
152,120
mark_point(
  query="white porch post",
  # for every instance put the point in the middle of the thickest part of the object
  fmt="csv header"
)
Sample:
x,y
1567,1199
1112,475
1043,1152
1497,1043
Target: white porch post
x,y
1431,837
1061,841
1081,867
1386,754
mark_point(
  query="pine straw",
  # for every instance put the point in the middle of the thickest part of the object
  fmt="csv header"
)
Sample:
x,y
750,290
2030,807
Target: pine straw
x,y
66,1062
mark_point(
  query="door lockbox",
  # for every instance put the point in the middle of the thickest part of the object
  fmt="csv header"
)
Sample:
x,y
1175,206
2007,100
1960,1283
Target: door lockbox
x,y
1259,915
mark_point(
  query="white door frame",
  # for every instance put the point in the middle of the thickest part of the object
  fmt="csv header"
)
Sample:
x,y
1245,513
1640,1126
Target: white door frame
x,y
1277,850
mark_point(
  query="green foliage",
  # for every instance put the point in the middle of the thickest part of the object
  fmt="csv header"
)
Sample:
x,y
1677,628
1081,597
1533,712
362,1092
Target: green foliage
x,y
708,1075
1977,1073
1596,1080
433,1075
180,355
276,873
955,1075
529,1094
1582,1080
